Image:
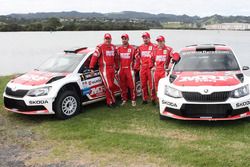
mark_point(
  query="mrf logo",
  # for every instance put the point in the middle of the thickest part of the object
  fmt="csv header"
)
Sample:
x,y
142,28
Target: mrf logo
x,y
204,78
97,90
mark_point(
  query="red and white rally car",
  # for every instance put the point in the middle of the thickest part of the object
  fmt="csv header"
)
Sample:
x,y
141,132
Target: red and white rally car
x,y
59,86
206,84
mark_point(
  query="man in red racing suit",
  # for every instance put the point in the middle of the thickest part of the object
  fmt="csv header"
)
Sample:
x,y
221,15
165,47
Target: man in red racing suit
x,y
160,60
143,61
126,55
105,55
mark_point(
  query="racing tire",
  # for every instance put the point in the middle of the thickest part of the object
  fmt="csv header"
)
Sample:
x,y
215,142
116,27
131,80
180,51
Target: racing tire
x,y
67,104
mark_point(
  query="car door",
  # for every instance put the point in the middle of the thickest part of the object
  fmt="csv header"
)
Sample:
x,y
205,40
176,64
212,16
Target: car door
x,y
93,87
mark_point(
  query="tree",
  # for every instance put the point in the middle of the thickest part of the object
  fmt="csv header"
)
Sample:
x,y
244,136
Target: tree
x,y
52,24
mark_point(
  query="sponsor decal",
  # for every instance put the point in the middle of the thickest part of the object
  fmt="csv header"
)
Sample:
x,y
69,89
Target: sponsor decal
x,y
32,77
110,53
14,88
39,102
243,104
92,82
204,51
125,55
86,91
161,58
145,54
205,78
97,91
169,103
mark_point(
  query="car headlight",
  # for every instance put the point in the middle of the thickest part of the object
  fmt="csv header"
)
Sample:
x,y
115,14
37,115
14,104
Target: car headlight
x,y
172,92
39,92
240,92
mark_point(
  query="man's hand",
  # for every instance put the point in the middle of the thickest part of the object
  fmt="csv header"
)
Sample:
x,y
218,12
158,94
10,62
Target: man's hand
x,y
153,69
92,72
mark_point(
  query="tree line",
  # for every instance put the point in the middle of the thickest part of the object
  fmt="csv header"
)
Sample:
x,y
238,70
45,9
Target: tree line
x,y
54,24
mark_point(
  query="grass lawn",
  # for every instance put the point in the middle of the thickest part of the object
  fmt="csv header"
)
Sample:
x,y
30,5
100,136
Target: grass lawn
x,y
124,136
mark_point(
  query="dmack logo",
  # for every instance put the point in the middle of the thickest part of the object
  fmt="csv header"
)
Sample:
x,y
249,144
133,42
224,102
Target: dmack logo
x,y
39,102
243,104
205,78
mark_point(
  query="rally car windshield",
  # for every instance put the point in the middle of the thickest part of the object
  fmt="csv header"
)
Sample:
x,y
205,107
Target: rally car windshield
x,y
207,61
61,63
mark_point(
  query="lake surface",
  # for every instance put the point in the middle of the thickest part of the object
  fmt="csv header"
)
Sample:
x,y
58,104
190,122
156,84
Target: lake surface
x,y
23,51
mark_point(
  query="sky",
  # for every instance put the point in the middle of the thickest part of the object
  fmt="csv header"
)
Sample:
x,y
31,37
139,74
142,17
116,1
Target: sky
x,y
179,7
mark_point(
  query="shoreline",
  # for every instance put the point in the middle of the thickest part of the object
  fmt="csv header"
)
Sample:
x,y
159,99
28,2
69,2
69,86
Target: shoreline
x,y
198,29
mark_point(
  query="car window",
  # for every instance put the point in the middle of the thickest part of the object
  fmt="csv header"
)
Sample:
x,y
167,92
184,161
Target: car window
x,y
85,66
61,63
207,61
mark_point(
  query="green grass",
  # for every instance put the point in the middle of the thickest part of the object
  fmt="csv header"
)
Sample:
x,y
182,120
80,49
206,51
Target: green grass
x,y
128,136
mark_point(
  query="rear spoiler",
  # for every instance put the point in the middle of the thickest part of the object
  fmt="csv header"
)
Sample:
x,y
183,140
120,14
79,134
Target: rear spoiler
x,y
75,50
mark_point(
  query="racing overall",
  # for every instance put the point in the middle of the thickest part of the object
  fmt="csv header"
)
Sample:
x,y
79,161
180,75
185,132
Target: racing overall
x,y
107,61
160,60
126,55
143,61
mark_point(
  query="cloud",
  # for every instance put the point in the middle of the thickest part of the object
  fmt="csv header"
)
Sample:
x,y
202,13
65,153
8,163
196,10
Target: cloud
x,y
191,7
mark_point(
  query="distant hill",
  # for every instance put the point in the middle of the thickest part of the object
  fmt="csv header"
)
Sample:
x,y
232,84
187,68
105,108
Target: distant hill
x,y
135,15
126,20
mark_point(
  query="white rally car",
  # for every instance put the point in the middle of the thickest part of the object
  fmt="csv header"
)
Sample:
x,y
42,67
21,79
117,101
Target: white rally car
x,y
59,86
206,84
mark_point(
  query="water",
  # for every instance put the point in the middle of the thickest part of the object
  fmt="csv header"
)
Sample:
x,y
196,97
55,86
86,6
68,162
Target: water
x,y
23,51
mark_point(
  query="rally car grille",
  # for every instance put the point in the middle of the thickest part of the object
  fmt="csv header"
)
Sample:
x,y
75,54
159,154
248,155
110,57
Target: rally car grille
x,y
214,97
20,105
207,110
18,93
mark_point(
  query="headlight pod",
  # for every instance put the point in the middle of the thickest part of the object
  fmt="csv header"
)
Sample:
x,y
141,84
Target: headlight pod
x,y
39,92
172,92
240,92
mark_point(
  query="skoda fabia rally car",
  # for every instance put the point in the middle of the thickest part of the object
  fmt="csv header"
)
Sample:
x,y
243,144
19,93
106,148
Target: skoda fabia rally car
x,y
206,84
59,86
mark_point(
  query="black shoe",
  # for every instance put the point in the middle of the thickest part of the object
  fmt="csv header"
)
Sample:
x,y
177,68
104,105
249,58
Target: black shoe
x,y
144,102
111,105
153,102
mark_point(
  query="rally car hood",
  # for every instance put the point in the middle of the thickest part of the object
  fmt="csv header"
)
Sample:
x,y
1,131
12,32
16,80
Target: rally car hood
x,y
221,78
36,78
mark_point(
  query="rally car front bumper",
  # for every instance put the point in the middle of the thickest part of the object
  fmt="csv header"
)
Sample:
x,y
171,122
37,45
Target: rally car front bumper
x,y
180,108
29,105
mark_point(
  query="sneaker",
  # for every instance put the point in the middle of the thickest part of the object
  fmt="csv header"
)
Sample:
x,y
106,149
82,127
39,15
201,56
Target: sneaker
x,y
123,103
133,103
144,102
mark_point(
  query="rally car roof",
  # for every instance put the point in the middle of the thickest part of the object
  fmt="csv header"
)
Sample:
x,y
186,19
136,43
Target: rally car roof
x,y
206,47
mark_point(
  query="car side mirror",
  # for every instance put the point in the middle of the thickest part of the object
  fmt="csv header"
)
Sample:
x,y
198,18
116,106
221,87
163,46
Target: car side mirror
x,y
244,68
